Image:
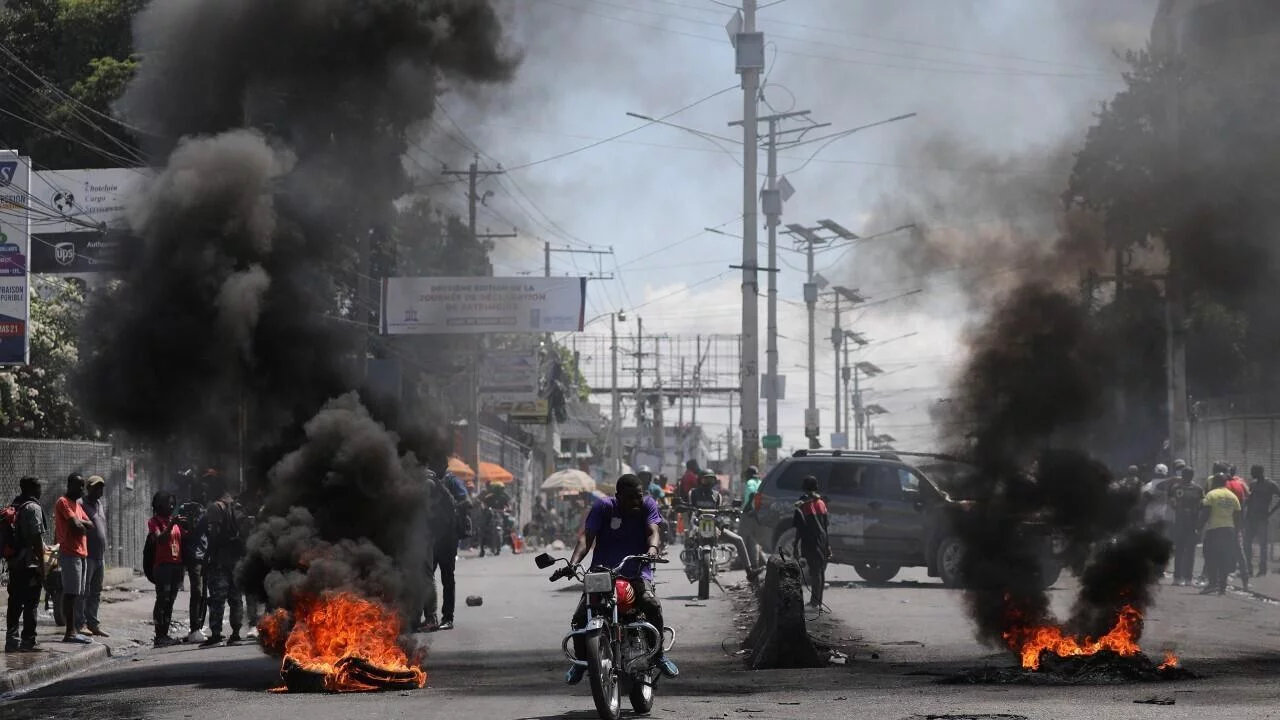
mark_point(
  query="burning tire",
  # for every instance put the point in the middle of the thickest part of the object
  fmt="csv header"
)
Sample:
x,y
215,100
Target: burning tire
x,y
876,573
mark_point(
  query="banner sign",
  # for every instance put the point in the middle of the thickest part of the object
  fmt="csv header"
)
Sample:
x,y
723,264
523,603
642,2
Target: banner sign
x,y
443,305
79,214
15,243
508,378
531,413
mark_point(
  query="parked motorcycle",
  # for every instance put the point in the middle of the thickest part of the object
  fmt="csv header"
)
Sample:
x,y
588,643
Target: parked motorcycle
x,y
704,556
621,645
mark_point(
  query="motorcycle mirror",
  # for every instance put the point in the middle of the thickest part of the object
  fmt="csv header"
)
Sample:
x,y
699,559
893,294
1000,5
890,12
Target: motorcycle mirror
x,y
544,561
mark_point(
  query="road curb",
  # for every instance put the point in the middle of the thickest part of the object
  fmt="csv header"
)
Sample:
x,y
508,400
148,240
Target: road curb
x,y
55,669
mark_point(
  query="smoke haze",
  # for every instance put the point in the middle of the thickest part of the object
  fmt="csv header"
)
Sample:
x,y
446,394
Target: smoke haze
x,y
279,130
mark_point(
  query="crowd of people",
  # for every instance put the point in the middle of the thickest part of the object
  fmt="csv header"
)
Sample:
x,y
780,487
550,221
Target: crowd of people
x,y
1225,515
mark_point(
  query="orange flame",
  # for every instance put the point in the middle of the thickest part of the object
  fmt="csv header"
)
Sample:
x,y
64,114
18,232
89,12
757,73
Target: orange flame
x,y
335,627
1170,661
1122,639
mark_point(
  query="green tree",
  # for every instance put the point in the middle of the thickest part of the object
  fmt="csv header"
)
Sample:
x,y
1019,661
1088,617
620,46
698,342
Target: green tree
x,y
68,61
34,399
1190,154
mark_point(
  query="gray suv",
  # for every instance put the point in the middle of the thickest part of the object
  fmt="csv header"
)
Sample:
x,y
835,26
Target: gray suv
x,y
888,510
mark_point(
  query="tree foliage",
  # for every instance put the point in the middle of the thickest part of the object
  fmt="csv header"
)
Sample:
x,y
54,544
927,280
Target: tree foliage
x,y
35,401
67,62
1186,154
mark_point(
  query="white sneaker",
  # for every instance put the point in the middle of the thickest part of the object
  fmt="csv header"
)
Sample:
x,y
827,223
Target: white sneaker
x,y
196,636
253,632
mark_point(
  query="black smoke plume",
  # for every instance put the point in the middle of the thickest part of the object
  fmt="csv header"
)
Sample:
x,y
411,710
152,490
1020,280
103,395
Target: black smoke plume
x,y
277,130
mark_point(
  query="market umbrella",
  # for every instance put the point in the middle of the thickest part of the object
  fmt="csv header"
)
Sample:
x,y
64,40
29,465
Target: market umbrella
x,y
569,481
493,472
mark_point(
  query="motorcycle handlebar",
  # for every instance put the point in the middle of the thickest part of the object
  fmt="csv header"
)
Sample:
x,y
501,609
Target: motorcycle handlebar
x,y
717,511
574,570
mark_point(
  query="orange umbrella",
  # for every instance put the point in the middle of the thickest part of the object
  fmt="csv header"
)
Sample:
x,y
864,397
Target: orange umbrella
x,y
493,472
461,469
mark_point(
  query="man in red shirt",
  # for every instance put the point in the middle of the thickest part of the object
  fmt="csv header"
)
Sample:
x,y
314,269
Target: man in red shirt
x,y
1234,483
689,480
71,530
166,563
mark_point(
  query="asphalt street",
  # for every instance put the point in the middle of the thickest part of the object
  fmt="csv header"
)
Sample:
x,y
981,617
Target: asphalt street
x,y
503,662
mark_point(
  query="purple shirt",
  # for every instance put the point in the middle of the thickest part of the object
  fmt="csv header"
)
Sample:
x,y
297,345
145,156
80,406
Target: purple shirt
x,y
621,534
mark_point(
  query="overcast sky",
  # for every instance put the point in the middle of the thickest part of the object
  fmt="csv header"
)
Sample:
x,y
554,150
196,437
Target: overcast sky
x,y
998,86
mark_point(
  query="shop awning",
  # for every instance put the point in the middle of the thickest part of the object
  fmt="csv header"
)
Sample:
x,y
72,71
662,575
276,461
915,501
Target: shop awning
x,y
493,472
461,469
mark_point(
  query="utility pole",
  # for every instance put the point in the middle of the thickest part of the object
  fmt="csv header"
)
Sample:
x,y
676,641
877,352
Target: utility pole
x,y
474,198
681,451
549,448
615,424
749,61
836,336
660,404
813,283
777,192
845,372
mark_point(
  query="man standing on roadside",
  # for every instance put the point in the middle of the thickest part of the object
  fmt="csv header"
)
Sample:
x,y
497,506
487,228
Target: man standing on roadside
x,y
1222,523
71,529
95,507
1257,518
26,567
225,523
1185,498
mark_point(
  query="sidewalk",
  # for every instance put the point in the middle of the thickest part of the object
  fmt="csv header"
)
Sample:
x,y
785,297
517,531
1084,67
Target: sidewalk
x,y
125,615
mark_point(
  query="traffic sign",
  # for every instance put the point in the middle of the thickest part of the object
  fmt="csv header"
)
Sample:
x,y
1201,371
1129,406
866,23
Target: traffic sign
x,y
772,442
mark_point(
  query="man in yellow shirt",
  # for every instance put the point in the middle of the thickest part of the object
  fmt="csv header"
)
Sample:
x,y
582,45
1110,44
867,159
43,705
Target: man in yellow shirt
x,y
1222,523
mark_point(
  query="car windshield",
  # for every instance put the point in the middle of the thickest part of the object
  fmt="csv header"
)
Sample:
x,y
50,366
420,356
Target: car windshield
x,y
954,478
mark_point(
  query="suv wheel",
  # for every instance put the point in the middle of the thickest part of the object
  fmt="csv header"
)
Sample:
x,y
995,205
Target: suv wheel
x,y
876,573
950,557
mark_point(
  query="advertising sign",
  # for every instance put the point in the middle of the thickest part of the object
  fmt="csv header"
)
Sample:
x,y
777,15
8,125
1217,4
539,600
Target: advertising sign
x,y
508,378
530,413
79,213
15,239
443,305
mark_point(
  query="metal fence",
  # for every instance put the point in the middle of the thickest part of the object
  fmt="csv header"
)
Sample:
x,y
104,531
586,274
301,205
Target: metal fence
x,y
1240,439
128,492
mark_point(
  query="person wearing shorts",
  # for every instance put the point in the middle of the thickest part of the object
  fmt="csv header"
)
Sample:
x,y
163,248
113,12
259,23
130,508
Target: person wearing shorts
x,y
71,529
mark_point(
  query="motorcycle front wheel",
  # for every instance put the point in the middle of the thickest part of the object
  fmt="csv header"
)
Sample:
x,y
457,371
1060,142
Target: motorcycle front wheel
x,y
641,694
604,677
704,577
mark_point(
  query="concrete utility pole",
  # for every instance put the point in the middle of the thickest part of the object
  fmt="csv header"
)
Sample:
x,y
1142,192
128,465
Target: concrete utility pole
x,y
810,239
845,372
749,61
615,423
474,198
659,405
777,192
836,335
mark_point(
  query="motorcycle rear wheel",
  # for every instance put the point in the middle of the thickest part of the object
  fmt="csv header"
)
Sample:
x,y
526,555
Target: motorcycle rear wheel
x,y
604,677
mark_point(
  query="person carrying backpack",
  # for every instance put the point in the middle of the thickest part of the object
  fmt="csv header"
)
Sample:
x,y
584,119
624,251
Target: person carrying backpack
x,y
162,562
811,521
224,523
453,524
22,544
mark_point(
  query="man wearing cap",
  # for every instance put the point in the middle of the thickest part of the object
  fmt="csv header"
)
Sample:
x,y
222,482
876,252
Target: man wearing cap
x,y
95,506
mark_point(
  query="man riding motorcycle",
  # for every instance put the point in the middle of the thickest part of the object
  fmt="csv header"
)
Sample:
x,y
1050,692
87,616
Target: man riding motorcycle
x,y
616,527
494,502
706,496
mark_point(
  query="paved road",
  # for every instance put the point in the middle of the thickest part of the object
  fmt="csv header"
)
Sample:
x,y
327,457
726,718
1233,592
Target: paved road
x,y
503,663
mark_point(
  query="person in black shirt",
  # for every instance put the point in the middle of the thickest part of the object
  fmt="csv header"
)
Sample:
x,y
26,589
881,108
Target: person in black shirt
x,y
1186,501
811,521
706,496
1257,518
